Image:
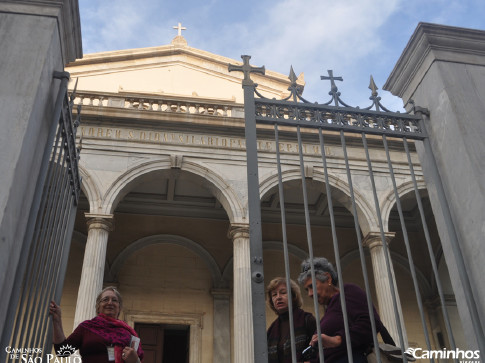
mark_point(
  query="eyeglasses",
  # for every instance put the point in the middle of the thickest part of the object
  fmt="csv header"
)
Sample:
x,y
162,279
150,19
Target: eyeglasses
x,y
112,299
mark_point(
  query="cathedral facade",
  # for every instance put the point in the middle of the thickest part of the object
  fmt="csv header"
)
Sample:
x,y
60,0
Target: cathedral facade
x,y
164,211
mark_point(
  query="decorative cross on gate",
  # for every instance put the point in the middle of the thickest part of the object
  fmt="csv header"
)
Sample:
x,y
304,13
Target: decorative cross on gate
x,y
246,68
332,79
179,27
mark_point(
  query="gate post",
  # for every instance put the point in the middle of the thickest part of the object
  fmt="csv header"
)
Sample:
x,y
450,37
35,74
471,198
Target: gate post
x,y
442,69
254,210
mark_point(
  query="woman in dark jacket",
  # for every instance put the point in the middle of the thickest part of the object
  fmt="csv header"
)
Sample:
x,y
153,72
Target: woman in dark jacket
x,y
278,334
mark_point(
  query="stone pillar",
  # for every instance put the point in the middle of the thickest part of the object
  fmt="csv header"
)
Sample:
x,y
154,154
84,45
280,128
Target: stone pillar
x,y
36,39
92,273
222,325
383,284
442,69
243,315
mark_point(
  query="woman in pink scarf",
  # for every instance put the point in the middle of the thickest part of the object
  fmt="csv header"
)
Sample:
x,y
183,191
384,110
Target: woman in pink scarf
x,y
102,339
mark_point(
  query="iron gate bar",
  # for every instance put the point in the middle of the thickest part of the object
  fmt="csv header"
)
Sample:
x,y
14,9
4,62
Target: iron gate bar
x,y
430,250
62,270
254,211
45,255
41,259
343,118
53,253
386,252
23,262
463,274
356,220
310,244
56,191
370,305
70,197
50,223
285,249
406,240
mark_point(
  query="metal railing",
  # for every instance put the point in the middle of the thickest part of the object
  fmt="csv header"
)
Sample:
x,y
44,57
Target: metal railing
x,y
41,271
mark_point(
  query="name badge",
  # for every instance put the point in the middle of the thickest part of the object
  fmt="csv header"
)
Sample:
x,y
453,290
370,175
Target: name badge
x,y
111,353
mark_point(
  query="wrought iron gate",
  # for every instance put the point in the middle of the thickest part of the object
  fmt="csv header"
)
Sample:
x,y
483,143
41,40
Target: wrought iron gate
x,y
298,116
40,275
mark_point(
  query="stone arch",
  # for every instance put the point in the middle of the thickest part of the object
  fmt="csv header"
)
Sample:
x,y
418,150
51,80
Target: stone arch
x,y
215,183
390,200
366,215
90,189
217,277
423,282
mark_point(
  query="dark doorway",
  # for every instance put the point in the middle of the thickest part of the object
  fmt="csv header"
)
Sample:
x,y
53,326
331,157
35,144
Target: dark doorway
x,y
164,343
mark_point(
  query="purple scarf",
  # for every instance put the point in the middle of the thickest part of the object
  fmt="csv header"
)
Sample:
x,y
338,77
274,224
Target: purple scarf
x,y
113,331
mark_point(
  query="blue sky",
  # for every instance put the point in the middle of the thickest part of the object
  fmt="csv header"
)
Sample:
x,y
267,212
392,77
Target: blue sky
x,y
354,38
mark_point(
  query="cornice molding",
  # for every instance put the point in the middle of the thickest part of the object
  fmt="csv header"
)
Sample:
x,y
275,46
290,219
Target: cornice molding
x,y
180,55
65,11
432,43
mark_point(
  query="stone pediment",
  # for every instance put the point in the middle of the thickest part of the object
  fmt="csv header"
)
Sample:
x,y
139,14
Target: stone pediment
x,y
174,69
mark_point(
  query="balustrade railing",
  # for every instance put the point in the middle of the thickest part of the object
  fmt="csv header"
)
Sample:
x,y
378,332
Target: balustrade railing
x,y
159,104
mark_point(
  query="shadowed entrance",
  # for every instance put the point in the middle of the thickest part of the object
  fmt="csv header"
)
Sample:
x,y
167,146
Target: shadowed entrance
x,y
164,343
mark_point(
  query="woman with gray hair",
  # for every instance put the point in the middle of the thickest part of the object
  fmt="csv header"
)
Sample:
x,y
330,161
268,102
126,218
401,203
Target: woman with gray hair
x,y
332,324
102,339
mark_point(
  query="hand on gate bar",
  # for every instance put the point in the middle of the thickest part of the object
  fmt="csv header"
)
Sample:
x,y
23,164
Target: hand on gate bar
x,y
327,341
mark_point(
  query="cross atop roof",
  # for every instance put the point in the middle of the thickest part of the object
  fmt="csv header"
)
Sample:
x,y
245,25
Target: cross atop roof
x,y
179,27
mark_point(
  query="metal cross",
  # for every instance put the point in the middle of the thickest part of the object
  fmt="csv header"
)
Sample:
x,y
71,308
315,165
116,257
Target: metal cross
x,y
332,79
180,28
246,68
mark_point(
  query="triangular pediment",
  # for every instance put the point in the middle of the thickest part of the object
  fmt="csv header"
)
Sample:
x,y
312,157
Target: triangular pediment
x,y
174,69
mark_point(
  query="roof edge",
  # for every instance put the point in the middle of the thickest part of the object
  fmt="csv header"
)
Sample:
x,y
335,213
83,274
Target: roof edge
x,y
430,43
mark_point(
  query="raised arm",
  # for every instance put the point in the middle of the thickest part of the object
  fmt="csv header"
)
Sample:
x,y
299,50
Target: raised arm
x,y
57,331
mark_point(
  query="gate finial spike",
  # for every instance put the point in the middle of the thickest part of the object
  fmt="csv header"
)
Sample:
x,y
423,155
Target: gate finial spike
x,y
295,90
372,86
293,78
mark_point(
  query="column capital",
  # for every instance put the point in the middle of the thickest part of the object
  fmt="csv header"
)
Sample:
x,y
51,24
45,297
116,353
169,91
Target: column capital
x,y
238,230
373,239
102,221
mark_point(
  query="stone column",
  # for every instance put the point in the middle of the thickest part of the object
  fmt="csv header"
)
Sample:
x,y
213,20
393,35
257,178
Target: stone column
x,y
92,273
222,325
243,315
383,284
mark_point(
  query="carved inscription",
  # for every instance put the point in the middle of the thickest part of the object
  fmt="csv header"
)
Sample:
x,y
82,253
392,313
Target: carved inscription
x,y
168,137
